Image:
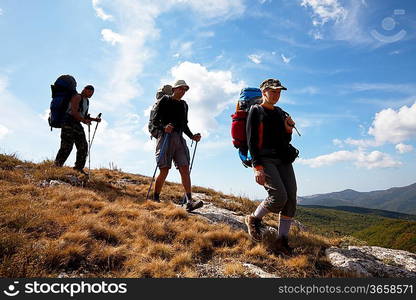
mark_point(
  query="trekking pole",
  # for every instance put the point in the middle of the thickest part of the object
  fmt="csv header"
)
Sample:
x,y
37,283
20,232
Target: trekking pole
x,y
90,144
95,130
89,149
193,156
190,168
161,153
293,126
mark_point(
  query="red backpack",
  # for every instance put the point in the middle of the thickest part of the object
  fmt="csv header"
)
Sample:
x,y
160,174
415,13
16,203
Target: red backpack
x,y
248,97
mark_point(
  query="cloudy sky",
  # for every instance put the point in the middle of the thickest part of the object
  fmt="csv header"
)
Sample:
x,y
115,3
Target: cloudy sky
x,y
349,66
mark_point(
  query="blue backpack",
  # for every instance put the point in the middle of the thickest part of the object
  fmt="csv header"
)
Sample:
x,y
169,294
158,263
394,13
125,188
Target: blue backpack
x,y
62,91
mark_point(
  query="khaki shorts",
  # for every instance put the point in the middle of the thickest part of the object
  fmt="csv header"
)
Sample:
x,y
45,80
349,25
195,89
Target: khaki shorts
x,y
176,150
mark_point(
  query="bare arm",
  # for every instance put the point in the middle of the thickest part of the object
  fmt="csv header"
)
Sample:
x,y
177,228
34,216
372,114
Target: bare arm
x,y
75,100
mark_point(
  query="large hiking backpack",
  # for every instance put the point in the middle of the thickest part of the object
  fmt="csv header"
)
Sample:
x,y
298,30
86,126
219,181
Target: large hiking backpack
x,y
154,125
62,91
248,97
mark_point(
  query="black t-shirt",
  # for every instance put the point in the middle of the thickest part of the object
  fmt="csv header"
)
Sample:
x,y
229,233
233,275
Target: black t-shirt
x,y
274,139
174,112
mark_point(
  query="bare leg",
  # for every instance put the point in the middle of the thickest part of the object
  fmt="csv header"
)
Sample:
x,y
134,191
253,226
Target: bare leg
x,y
186,179
160,179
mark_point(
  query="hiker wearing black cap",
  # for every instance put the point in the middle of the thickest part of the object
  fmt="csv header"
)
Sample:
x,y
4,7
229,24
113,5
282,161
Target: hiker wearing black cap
x,y
172,117
269,132
72,131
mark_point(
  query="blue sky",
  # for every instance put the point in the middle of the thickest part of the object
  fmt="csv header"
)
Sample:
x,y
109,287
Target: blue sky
x,y
349,66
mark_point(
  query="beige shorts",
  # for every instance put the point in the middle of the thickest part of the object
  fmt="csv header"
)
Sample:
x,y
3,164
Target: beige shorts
x,y
176,150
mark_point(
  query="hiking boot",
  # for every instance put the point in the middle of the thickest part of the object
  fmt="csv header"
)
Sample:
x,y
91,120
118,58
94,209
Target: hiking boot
x,y
156,198
80,171
254,226
282,245
192,205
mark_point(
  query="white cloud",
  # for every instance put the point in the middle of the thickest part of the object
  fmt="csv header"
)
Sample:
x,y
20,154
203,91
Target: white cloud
x,y
383,87
209,94
285,59
361,143
206,34
214,9
403,148
100,11
111,36
316,34
255,58
22,128
338,143
311,90
184,49
391,126
325,11
388,126
45,115
351,28
3,131
347,21
1,12
371,160
136,27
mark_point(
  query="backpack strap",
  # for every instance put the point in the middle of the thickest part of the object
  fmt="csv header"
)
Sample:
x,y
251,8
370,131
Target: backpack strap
x,y
261,125
262,112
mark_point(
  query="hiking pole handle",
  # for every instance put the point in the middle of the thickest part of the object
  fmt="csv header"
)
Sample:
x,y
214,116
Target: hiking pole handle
x,y
296,129
293,126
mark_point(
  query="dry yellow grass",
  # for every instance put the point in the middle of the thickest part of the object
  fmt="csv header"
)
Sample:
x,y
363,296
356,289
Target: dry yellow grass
x,y
234,270
105,228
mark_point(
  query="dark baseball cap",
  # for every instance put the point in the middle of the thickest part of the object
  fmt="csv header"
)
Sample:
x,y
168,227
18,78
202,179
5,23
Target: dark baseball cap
x,y
272,83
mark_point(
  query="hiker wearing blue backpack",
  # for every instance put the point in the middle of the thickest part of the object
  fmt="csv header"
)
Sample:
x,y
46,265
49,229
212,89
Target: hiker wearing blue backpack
x,y
72,131
168,120
269,132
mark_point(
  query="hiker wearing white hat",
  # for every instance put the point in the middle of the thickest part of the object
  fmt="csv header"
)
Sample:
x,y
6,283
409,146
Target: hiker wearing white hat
x,y
172,116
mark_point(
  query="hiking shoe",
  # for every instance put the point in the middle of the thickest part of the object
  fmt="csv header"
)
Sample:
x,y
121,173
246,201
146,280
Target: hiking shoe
x,y
254,226
192,205
156,198
282,245
80,171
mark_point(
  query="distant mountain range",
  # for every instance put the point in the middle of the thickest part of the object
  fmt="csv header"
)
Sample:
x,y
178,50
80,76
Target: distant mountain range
x,y
397,199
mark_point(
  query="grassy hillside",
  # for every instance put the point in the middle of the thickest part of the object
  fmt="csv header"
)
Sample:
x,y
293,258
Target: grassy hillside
x,y
105,228
373,229
391,234
399,199
368,211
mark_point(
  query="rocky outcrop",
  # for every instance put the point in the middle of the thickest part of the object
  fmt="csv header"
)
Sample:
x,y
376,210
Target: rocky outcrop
x,y
369,261
216,214
220,215
69,180
258,271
